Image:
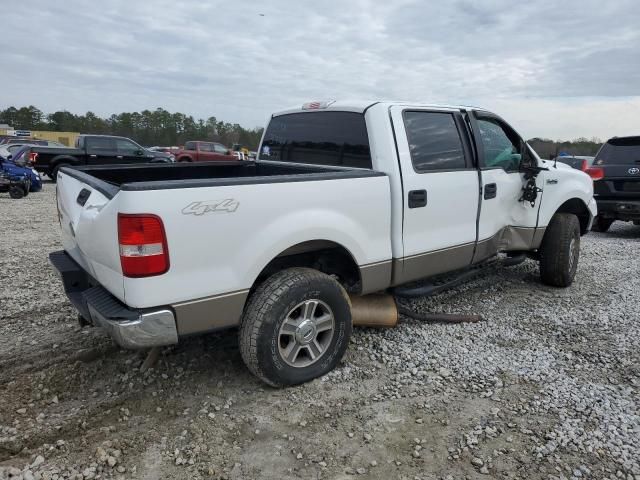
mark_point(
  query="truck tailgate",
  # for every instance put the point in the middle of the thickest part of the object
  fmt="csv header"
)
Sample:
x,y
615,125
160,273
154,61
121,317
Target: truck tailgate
x,y
88,219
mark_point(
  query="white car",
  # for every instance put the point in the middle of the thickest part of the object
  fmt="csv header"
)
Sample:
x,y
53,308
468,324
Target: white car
x,y
344,199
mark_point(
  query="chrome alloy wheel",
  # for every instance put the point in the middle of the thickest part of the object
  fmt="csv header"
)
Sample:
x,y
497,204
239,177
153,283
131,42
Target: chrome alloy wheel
x,y
306,333
573,252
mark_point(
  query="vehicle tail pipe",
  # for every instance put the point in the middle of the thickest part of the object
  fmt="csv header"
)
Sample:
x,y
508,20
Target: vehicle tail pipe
x,y
382,311
376,311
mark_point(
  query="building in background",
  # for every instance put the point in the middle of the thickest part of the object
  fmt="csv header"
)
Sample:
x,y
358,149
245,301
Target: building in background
x,y
66,138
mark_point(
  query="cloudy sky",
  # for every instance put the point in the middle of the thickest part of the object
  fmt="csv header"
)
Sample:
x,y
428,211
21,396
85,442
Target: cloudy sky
x,y
553,71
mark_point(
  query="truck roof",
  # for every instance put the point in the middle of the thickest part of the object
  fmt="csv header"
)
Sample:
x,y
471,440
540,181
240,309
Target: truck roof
x,y
360,106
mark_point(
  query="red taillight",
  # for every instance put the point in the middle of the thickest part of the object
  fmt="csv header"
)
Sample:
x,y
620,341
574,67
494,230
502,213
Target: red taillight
x,y
143,245
33,156
596,173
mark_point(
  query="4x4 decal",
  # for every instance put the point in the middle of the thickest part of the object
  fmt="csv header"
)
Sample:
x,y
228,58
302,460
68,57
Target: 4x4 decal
x,y
228,205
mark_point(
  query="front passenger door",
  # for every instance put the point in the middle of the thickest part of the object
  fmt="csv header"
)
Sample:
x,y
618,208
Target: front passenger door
x,y
131,152
505,222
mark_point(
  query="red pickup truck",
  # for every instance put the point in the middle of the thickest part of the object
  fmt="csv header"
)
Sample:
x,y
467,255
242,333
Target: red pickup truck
x,y
204,152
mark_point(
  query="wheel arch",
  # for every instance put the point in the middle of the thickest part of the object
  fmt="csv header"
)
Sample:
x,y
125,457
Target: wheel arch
x,y
326,256
580,210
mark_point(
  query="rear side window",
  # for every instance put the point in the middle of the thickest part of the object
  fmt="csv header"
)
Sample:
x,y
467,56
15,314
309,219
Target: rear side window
x,y
319,138
434,141
190,146
101,143
620,151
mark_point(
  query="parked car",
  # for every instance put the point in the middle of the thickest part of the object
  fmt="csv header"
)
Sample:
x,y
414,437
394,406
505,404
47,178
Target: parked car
x,y
579,162
346,197
93,150
14,179
7,150
616,175
20,165
204,152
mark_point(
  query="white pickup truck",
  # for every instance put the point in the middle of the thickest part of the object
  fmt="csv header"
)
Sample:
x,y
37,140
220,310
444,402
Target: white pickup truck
x,y
343,199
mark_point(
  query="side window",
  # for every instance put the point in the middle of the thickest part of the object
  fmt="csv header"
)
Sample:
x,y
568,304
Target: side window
x,y
206,147
434,141
103,144
501,145
126,147
190,146
220,149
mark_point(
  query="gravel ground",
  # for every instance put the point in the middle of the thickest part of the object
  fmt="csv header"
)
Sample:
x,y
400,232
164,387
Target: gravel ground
x,y
546,387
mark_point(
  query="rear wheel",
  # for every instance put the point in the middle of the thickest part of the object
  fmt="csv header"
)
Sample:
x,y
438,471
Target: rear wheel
x,y
560,250
296,327
601,224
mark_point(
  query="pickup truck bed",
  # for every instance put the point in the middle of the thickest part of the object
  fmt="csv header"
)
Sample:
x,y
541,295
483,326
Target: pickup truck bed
x,y
110,179
217,216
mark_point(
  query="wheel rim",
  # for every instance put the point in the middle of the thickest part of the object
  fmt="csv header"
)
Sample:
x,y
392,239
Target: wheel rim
x,y
573,252
306,333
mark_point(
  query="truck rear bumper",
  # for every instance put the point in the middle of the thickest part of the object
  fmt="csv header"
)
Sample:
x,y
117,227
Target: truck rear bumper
x,y
130,328
621,209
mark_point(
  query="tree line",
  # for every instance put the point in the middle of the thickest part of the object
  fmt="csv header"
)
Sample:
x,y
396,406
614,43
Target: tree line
x,y
157,127
160,127
580,146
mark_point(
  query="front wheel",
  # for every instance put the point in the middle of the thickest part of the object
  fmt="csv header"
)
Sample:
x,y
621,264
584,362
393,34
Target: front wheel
x,y
296,327
560,250
16,192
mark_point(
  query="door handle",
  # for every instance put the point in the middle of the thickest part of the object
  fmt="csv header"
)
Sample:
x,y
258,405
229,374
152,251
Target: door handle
x,y
490,191
93,156
417,198
119,157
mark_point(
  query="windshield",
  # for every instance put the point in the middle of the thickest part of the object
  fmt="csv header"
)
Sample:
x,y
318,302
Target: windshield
x,y
319,138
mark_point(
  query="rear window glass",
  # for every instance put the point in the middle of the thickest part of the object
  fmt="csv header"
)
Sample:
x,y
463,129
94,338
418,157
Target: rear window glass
x,y
620,151
319,138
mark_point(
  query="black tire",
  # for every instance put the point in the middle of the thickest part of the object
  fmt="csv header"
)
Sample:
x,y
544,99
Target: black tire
x,y
560,250
54,172
16,192
274,302
601,224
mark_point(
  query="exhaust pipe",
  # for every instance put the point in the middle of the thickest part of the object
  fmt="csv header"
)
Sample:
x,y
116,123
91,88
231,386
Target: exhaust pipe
x,y
380,310
376,311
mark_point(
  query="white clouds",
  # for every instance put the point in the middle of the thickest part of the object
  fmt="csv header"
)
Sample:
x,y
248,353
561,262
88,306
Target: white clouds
x,y
224,59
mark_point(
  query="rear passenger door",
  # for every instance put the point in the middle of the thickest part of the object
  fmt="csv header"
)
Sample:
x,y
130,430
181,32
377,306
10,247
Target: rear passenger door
x,y
101,150
206,152
440,188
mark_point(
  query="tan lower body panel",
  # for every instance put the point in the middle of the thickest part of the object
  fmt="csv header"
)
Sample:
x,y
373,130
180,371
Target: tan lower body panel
x,y
509,239
375,276
211,313
428,264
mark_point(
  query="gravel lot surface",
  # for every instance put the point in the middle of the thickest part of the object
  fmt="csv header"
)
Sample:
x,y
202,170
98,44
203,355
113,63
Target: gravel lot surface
x,y
547,387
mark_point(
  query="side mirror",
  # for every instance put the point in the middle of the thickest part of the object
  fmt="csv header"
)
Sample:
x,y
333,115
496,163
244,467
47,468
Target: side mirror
x,y
139,152
9,157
